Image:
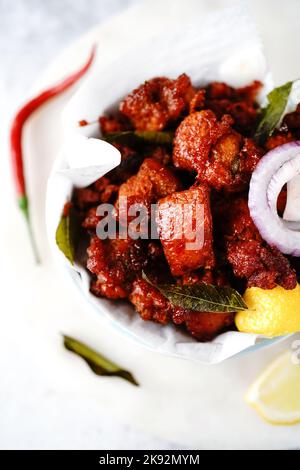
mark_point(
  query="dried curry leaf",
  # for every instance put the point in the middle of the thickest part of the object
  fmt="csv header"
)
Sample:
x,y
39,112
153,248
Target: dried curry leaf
x,y
202,297
64,238
67,234
140,137
97,363
271,115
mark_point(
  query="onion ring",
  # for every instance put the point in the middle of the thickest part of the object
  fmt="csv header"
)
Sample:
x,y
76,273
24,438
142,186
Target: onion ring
x,y
275,169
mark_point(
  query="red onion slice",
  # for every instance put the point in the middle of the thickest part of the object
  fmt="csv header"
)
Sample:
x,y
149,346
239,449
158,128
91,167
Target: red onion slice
x,y
292,208
286,173
276,168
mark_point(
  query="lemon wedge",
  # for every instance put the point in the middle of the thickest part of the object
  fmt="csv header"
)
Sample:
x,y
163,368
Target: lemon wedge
x,y
273,312
276,393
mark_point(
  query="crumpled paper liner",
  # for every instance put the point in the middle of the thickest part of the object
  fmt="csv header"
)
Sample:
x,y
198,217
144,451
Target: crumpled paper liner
x,y
220,46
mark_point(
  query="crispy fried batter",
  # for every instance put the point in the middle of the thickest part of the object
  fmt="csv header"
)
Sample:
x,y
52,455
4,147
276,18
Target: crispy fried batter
x,y
116,123
149,302
216,277
278,138
250,257
195,137
131,160
153,181
91,219
101,191
152,305
292,122
232,163
288,132
84,198
240,103
158,102
180,216
201,325
161,154
220,155
263,266
115,263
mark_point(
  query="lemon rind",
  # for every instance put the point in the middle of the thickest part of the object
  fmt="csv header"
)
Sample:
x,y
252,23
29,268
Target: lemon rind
x,y
270,415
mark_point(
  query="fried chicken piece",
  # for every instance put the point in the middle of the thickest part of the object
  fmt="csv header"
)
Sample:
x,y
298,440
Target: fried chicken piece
x,y
278,138
116,123
101,184
67,208
288,132
84,198
115,264
152,182
220,90
158,102
275,261
161,154
195,137
222,157
232,162
232,219
185,229
131,160
149,302
198,101
202,325
292,122
222,166
87,200
108,193
101,191
249,255
91,219
263,266
239,103
152,305
209,276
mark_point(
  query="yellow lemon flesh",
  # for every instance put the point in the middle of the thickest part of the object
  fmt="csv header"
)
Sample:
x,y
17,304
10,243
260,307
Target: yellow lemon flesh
x,y
276,393
273,312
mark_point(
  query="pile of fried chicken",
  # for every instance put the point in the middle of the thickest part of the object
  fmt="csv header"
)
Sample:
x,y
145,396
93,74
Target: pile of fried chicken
x,y
210,162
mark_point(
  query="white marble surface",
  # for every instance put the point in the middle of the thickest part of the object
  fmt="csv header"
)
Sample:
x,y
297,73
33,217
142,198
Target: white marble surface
x,y
48,399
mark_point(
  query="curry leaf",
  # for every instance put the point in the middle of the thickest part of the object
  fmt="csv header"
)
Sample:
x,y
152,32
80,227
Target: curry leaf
x,y
67,232
97,363
136,137
202,297
271,115
64,238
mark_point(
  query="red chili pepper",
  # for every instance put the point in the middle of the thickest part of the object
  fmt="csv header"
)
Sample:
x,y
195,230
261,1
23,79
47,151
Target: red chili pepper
x,y
16,133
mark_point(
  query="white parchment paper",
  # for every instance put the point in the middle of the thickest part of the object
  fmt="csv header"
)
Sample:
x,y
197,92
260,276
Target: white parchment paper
x,y
222,46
